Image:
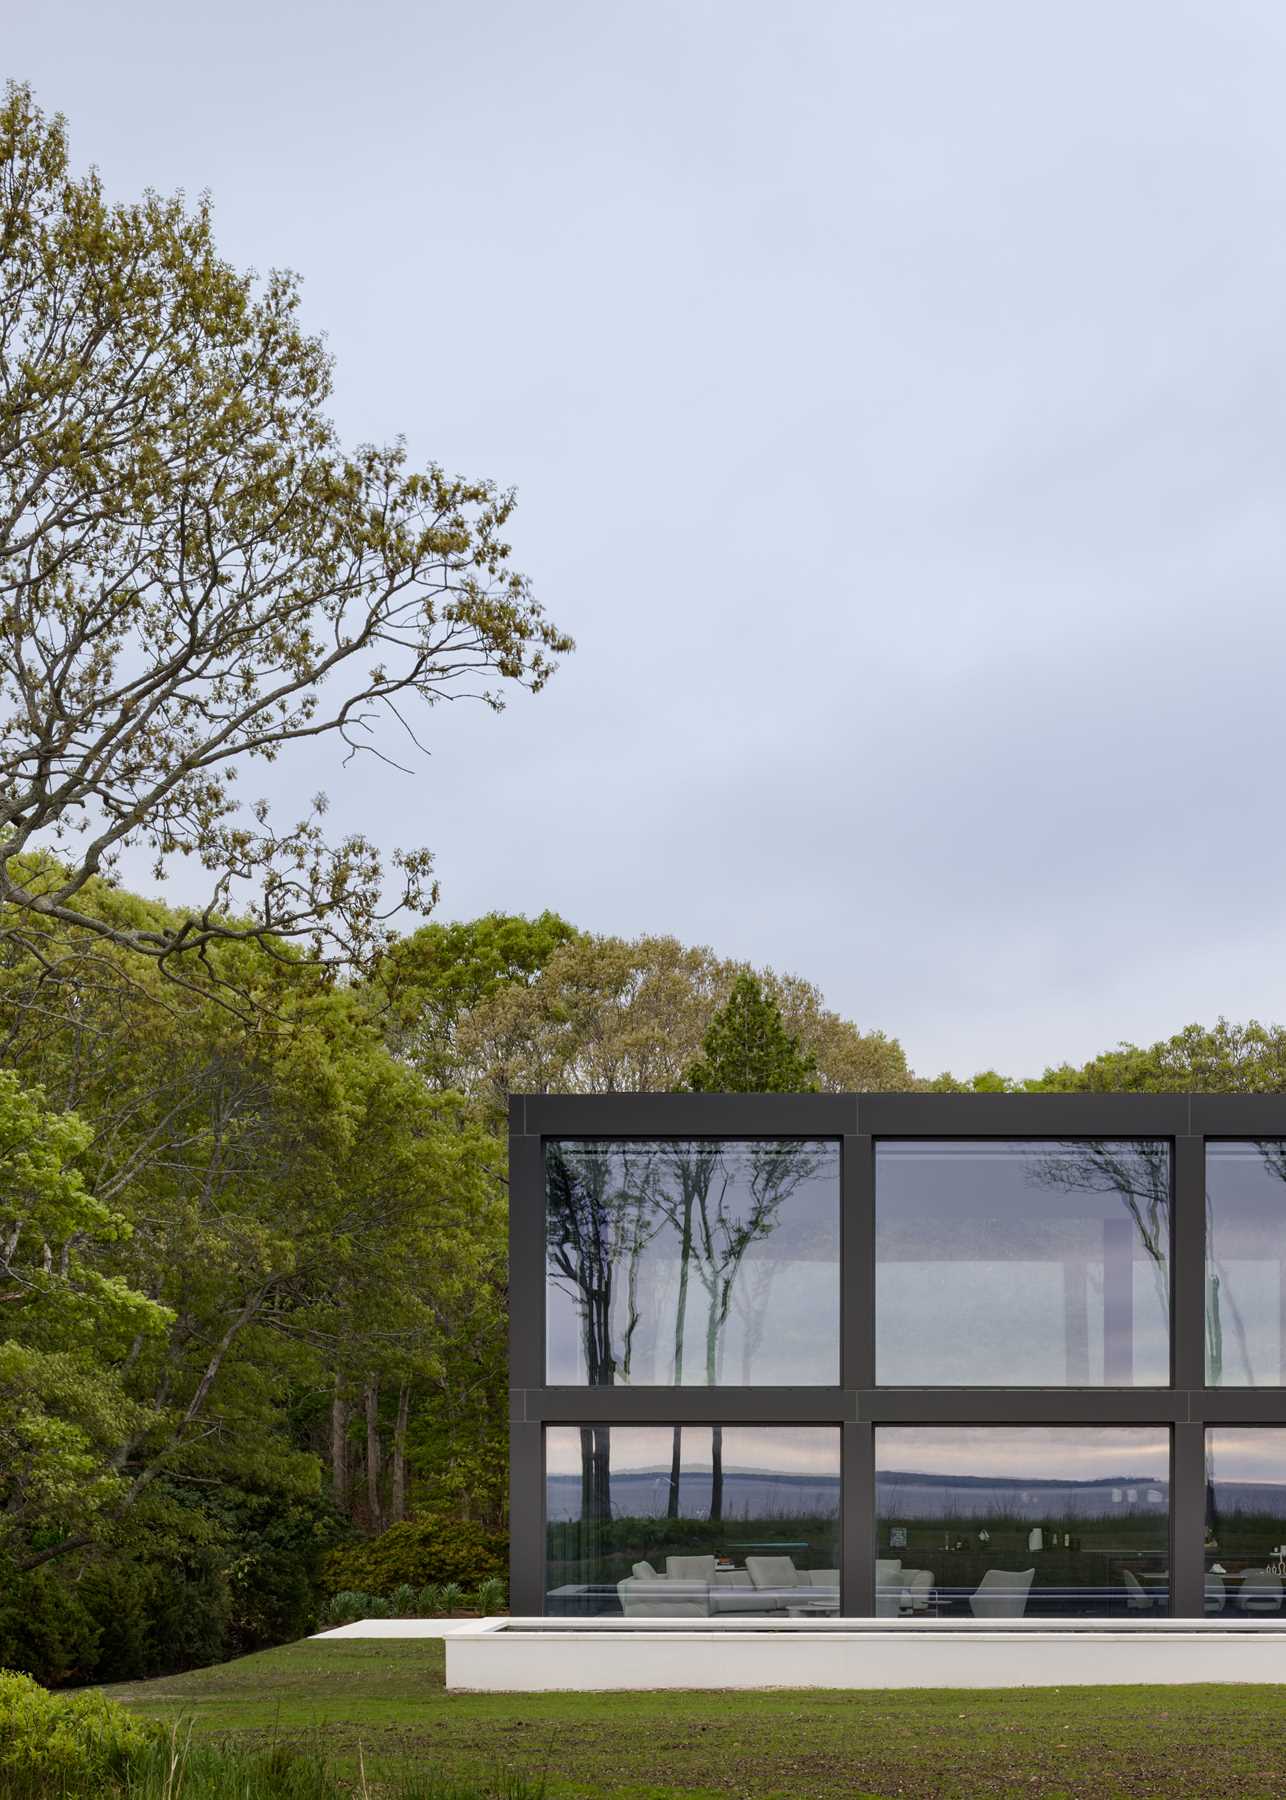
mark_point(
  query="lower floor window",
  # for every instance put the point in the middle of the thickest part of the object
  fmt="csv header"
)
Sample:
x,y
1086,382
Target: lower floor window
x,y
682,1521
983,1522
995,1522
1245,1520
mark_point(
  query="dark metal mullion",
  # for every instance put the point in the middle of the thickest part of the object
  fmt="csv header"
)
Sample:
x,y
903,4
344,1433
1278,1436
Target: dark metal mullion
x,y
1188,1521
857,1271
857,1520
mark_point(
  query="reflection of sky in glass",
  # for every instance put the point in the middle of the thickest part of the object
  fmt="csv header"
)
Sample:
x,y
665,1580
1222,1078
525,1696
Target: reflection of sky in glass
x,y
1246,1264
780,1449
756,1289
1025,1452
1040,1264
1249,1454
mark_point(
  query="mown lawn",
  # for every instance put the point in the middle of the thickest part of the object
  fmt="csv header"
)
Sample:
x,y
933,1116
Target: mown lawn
x,y
388,1698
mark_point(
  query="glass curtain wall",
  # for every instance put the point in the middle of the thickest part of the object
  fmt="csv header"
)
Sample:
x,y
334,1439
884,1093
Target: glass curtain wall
x,y
1245,1520
1022,1263
702,1263
1246,1263
692,1521
993,1522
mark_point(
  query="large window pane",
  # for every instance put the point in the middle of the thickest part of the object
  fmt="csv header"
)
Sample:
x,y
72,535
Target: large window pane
x,y
1245,1520
1010,1521
1023,1264
714,1261
1246,1264
692,1521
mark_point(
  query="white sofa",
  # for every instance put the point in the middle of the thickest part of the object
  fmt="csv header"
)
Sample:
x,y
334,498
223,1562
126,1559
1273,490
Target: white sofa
x,y
693,1587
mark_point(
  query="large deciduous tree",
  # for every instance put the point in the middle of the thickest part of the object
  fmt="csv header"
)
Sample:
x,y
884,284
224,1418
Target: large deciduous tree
x,y
194,574
607,1015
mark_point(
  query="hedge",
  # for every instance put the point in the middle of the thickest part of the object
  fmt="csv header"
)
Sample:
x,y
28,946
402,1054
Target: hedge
x,y
430,1548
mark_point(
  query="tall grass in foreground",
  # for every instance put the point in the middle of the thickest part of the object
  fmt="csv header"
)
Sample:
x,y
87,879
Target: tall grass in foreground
x,y
174,1768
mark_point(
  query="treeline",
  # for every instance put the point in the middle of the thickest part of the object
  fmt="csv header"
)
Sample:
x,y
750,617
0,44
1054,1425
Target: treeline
x,y
252,1248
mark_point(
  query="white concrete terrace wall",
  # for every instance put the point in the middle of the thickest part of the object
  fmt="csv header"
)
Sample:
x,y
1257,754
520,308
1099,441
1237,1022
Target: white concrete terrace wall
x,y
497,1658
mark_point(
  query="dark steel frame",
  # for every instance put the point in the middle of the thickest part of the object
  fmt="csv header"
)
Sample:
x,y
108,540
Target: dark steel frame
x,y
857,1405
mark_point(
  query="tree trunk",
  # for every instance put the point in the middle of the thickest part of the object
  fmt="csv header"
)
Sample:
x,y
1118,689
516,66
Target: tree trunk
x,y
341,1468
397,1497
371,1398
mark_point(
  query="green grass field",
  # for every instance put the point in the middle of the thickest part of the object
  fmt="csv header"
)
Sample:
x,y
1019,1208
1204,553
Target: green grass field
x,y
388,1698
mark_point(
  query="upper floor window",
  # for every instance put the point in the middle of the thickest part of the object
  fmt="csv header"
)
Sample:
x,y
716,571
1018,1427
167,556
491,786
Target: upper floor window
x,y
1246,1263
1023,1263
703,1262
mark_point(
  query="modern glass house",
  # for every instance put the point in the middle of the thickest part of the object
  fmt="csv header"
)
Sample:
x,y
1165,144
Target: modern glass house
x,y
932,1356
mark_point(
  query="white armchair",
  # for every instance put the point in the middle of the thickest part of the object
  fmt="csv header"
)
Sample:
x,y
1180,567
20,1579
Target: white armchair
x,y
917,1590
888,1586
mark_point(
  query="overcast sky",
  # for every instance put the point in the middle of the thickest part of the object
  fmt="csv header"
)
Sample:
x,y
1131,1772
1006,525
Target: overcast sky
x,y
896,395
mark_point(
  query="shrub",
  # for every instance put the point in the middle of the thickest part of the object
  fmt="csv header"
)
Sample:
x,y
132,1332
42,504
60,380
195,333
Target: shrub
x,y
46,1630
51,1743
119,1598
493,1595
404,1601
430,1548
345,1607
451,1597
430,1600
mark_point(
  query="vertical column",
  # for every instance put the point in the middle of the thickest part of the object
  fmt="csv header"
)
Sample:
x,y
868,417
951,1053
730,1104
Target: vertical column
x,y
526,1519
857,1536
526,1369
1188,1522
1188,1266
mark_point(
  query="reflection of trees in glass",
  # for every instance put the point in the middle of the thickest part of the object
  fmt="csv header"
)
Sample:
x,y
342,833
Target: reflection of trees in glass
x,y
718,1218
1137,1171
598,1213
607,1203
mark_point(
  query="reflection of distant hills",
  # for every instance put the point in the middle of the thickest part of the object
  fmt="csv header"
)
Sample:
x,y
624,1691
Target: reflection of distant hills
x,y
762,1494
905,1497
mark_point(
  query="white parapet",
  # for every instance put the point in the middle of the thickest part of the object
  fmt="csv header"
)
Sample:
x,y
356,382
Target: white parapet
x,y
508,1657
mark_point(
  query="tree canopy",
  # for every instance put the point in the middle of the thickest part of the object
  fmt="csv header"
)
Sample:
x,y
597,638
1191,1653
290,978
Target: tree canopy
x,y
747,1049
195,575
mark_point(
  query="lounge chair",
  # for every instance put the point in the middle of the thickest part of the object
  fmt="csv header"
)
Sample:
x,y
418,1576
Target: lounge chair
x,y
1260,1591
1137,1598
1002,1594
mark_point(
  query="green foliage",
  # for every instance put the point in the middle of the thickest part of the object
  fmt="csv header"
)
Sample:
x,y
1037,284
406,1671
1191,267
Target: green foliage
x,y
431,1548
430,979
343,1608
65,1743
47,1629
1225,1058
86,1747
493,1595
747,1049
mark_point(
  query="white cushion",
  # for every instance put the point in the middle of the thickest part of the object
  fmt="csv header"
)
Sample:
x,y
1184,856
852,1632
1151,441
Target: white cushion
x,y
690,1568
645,1572
771,1571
